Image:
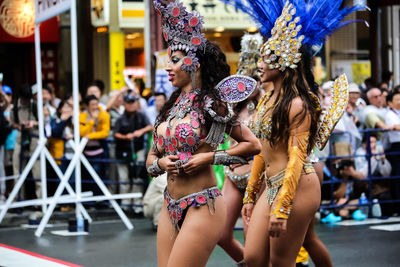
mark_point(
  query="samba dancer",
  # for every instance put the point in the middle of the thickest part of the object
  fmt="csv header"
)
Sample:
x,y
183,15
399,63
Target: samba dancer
x,y
187,131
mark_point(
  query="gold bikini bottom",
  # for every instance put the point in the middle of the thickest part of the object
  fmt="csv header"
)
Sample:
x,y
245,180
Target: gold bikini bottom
x,y
275,182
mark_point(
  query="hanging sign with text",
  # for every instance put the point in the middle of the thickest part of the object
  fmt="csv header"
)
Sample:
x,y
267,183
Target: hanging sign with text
x,y
45,9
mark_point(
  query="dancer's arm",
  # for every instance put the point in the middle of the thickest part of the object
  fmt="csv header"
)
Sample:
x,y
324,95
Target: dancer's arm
x,y
255,181
253,187
156,164
297,154
248,145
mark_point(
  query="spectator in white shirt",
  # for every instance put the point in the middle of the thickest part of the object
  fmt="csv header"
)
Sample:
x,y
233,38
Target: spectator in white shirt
x,y
373,115
153,111
391,140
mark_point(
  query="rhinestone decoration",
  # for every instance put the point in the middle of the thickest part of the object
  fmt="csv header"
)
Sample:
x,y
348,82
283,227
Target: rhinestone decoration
x,y
249,54
182,31
339,100
261,125
236,88
284,44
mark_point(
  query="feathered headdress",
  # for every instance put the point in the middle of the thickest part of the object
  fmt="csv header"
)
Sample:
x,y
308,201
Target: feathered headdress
x,y
291,24
249,54
182,31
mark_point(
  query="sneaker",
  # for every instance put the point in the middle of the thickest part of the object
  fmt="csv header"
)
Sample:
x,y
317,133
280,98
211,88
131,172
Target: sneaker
x,y
359,216
331,218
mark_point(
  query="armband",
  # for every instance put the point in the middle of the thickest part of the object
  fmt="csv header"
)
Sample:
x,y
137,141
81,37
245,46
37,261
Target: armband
x,y
297,155
255,181
222,157
155,168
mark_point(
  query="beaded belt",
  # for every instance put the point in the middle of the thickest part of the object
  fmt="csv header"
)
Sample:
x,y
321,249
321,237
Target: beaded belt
x,y
275,182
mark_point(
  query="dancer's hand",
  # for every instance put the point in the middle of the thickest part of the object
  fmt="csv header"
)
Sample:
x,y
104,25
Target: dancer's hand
x,y
247,210
277,226
198,161
168,164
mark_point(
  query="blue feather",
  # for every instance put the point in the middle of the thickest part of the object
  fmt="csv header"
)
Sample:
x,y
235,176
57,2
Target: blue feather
x,y
318,18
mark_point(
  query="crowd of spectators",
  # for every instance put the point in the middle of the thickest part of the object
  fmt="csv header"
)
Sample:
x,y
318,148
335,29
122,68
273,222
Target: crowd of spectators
x,y
372,113
119,125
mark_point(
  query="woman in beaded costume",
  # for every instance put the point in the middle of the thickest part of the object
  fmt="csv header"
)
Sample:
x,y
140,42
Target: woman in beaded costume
x,y
288,125
236,176
187,131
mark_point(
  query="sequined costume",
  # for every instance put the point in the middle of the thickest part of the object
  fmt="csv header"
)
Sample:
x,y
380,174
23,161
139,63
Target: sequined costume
x,y
177,208
290,25
184,129
248,58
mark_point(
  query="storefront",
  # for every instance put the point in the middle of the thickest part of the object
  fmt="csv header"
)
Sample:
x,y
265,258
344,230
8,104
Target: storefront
x,y
17,21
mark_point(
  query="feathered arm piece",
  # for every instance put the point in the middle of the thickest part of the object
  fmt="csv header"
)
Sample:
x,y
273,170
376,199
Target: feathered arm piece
x,y
297,151
339,100
255,181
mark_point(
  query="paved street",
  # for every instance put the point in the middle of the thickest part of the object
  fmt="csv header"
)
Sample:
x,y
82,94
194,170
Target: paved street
x,y
111,244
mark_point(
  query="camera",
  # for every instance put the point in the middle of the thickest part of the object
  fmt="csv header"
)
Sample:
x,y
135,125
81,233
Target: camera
x,y
344,162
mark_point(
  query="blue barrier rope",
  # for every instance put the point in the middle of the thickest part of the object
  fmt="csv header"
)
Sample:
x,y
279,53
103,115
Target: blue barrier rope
x,y
332,180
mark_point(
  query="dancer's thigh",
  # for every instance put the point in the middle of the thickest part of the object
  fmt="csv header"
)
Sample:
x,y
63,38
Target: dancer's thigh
x,y
256,250
200,232
285,248
233,202
165,237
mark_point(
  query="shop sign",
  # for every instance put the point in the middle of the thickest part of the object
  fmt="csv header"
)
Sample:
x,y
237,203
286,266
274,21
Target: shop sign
x,y
135,72
215,13
162,84
46,9
131,13
17,23
117,60
100,12
356,70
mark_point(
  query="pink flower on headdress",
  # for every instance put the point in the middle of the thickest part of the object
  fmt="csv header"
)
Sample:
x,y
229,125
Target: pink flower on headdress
x,y
160,9
182,31
176,10
190,62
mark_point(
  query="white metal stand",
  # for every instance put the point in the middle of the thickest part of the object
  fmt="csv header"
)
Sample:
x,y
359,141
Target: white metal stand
x,y
48,204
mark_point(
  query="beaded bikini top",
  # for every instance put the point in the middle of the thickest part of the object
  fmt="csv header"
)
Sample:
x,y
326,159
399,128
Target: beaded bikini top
x,y
261,125
183,127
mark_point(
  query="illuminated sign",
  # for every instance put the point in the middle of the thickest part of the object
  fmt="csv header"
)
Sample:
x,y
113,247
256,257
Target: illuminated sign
x,y
215,13
17,17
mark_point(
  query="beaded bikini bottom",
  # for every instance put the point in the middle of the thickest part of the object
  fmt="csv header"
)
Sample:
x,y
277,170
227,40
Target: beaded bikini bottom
x,y
177,208
240,181
275,182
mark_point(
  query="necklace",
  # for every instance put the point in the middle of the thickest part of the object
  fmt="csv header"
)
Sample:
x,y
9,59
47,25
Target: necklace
x,y
262,126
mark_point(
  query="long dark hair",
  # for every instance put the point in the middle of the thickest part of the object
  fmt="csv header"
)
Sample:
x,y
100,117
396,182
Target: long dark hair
x,y
296,82
213,68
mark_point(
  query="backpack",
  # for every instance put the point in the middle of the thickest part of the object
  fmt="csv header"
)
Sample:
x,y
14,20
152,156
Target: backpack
x,y
5,128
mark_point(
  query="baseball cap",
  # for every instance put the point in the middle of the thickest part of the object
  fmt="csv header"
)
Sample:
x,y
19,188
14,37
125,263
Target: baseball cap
x,y
327,85
129,98
34,89
6,89
353,88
